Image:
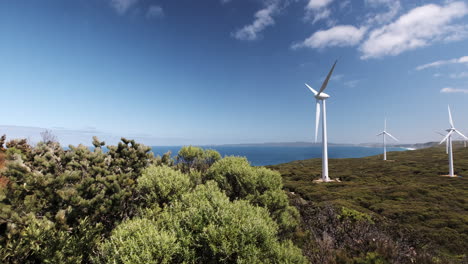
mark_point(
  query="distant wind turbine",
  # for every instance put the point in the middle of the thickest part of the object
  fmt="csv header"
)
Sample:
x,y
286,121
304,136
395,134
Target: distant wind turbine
x,y
448,139
321,97
383,134
446,143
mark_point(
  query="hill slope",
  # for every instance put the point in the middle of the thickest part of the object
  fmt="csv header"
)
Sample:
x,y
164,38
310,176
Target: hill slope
x,y
409,192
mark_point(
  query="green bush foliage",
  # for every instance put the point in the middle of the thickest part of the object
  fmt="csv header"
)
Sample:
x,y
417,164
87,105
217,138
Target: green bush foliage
x,y
161,184
260,186
195,158
119,204
139,240
57,196
203,226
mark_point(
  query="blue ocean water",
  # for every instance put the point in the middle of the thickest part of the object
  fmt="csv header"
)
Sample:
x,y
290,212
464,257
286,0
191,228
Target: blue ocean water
x,y
272,155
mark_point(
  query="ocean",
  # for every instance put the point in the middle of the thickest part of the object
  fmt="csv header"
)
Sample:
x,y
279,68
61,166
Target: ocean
x,y
272,155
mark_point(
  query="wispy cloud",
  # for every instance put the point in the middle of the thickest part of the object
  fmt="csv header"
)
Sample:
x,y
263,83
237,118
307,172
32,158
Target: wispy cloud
x,y
421,26
459,75
352,83
439,63
336,77
453,90
341,36
263,19
155,11
344,4
121,6
317,4
318,10
393,7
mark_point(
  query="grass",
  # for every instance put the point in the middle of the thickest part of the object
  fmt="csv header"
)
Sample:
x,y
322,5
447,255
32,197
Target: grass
x,y
409,191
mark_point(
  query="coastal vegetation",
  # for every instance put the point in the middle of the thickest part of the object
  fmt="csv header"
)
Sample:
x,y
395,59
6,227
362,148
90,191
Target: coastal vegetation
x,y
403,210
120,204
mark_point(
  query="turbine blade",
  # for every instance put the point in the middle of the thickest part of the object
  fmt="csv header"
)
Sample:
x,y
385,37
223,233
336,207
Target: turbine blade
x,y
312,89
325,83
380,134
459,133
446,147
385,124
446,137
392,136
439,133
317,119
450,117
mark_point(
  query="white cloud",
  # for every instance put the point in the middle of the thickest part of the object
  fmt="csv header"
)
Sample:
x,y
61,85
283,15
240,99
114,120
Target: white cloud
x,y
438,63
419,27
453,90
344,35
352,83
344,4
317,9
393,6
263,19
318,4
121,6
335,77
322,14
459,75
155,11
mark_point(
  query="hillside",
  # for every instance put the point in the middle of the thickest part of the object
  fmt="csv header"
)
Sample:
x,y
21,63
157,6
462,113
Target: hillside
x,y
408,193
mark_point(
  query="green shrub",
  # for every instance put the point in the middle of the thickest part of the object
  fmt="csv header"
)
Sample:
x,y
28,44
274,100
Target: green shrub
x,y
139,241
76,196
260,186
161,184
195,158
204,226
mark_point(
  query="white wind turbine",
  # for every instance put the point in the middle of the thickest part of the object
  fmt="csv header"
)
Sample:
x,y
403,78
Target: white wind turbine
x,y
321,97
446,143
383,134
448,138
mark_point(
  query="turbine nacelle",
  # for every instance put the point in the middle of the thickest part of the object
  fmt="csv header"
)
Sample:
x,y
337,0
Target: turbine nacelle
x,y
452,129
321,96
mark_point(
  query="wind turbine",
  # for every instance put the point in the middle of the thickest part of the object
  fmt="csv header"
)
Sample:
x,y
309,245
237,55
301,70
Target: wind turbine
x,y
383,134
448,138
320,96
446,142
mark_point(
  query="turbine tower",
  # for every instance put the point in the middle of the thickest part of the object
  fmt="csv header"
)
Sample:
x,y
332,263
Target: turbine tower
x,y
448,138
383,134
320,96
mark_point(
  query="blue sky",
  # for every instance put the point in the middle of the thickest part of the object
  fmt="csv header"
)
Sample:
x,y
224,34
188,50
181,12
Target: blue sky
x,y
231,71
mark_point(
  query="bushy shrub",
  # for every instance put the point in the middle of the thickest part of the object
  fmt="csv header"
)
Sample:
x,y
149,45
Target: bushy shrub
x,y
195,158
139,241
161,184
63,189
66,206
204,226
260,186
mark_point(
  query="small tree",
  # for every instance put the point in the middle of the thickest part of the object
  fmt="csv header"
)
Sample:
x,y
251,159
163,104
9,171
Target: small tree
x,y
48,137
